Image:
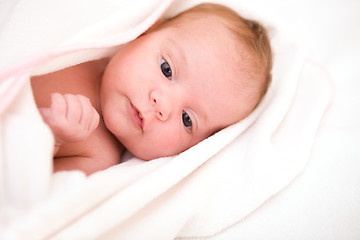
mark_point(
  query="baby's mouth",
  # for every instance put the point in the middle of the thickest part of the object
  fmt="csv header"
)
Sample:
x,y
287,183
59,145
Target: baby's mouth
x,y
138,118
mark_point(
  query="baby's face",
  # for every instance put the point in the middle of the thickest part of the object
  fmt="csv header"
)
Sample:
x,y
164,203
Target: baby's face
x,y
172,88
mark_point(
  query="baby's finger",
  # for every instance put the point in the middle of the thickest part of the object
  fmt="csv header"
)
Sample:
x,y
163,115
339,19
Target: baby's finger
x,y
94,121
73,113
88,113
58,105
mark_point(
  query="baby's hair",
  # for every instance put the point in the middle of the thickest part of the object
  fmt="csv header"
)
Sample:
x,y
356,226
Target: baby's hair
x,y
247,31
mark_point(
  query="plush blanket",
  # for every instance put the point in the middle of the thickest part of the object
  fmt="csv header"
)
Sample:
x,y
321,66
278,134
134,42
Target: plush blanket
x,y
198,193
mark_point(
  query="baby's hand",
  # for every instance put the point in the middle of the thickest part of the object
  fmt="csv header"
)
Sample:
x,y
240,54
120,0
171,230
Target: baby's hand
x,y
72,118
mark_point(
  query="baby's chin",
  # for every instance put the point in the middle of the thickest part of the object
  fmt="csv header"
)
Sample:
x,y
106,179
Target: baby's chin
x,y
150,151
147,155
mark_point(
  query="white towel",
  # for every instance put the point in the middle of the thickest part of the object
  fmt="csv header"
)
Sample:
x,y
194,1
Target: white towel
x,y
198,193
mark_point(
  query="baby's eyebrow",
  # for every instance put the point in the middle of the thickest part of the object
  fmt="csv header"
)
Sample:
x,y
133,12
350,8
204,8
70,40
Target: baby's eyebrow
x,y
179,50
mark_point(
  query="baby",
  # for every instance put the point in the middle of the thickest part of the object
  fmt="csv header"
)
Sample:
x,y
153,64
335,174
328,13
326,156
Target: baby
x,y
180,82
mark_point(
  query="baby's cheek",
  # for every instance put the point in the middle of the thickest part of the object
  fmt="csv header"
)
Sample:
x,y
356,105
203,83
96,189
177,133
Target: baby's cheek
x,y
164,146
176,143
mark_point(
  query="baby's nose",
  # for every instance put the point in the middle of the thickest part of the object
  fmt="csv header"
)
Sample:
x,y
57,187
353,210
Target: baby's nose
x,y
162,105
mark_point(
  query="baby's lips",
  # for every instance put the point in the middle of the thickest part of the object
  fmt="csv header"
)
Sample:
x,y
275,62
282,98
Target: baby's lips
x,y
137,116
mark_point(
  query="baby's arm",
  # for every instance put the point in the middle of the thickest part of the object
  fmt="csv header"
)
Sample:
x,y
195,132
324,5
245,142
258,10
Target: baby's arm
x,y
71,118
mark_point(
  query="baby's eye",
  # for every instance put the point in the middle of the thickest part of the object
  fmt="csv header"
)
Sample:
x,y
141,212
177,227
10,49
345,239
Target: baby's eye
x,y
166,69
186,120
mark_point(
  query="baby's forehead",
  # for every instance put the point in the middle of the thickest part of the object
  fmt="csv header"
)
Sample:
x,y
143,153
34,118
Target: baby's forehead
x,y
209,27
207,21
219,31
210,41
211,33
206,31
